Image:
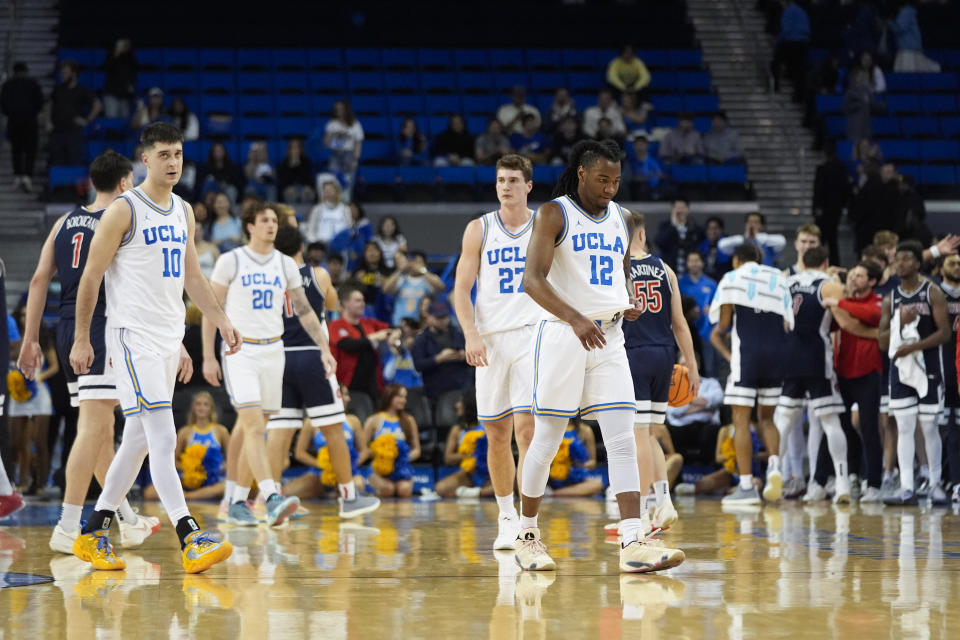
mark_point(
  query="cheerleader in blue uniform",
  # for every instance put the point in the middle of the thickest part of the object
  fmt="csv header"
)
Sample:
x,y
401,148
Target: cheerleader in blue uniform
x,y
467,449
577,454
201,452
390,441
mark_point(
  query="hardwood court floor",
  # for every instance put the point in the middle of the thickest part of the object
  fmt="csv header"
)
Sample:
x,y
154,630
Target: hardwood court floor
x,y
424,570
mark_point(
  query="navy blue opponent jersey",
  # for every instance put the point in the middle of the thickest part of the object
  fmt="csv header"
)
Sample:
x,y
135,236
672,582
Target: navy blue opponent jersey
x,y
294,335
809,350
70,248
919,301
650,284
949,348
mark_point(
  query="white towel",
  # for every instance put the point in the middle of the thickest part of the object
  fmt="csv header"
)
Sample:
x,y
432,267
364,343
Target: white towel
x,y
912,370
756,286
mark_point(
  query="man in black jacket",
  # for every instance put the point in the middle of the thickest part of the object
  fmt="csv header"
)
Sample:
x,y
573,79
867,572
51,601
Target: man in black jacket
x,y
21,101
831,194
439,354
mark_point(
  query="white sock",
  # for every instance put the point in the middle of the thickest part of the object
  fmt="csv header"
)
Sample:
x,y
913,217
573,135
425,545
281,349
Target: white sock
x,y
229,490
934,446
5,487
746,481
662,489
70,517
348,492
773,464
643,505
528,523
126,512
507,507
268,488
630,530
240,494
906,448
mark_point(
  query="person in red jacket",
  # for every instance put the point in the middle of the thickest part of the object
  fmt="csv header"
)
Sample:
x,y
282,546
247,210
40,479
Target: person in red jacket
x,y
355,344
858,362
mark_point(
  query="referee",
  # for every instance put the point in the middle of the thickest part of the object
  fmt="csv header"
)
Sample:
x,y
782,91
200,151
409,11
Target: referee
x,y
859,365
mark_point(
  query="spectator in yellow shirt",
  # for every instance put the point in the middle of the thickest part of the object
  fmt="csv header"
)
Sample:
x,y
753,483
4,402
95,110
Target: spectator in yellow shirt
x,y
627,72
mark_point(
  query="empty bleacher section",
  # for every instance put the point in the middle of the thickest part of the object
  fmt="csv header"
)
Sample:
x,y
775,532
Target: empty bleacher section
x,y
242,95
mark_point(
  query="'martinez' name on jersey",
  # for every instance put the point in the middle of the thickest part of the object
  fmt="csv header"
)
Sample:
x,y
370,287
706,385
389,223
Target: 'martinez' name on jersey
x,y
144,283
501,303
587,270
256,285
651,286
71,245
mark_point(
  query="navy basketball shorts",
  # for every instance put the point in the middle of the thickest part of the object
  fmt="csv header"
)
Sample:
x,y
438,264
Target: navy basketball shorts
x,y
905,400
755,377
99,383
651,368
823,394
307,392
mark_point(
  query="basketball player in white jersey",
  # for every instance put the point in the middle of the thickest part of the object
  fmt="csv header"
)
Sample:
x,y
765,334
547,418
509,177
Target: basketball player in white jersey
x,y
500,330
144,244
577,266
65,252
252,281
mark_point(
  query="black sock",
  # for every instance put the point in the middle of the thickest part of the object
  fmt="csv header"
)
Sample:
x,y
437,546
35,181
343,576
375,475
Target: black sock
x,y
185,526
98,520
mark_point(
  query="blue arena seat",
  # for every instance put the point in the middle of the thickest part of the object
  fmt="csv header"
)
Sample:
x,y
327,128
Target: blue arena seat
x,y
362,59
150,59
548,82
435,59
950,126
436,105
251,82
699,103
478,124
507,59
378,175
653,58
289,59
663,81
217,60
215,82
146,80
882,126
323,105
437,125
475,81
914,127
471,59
402,82
668,104
688,173
905,103
399,59
837,126
290,82
940,82
405,105
681,58
218,105
726,173
585,81
457,175
88,59
912,170
218,127
179,59
324,59
505,81
365,82
294,127
327,82
377,127
900,149
580,60
932,174
396,123
702,124
938,103
184,82
375,105
904,82
486,174
544,173
844,149
438,82
257,128
693,81
377,150
481,105
254,59
416,175
256,105
939,150
829,104
544,60
294,105
65,175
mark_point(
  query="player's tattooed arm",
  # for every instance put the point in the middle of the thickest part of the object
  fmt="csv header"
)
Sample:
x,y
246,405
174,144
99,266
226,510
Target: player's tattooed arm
x,y
312,325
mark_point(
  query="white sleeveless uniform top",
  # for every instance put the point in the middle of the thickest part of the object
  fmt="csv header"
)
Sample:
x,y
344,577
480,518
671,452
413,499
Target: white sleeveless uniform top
x,y
255,287
501,304
587,270
144,282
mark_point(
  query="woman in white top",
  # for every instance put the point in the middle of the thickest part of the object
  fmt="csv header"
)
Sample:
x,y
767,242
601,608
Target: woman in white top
x,y
225,231
343,136
329,217
390,239
184,119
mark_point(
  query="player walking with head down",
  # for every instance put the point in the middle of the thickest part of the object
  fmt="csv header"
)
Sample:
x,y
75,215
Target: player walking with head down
x,y
144,244
577,265
500,329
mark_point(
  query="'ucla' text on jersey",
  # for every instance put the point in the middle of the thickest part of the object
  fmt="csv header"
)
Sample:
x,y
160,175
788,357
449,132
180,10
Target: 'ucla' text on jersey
x,y
71,244
590,251
144,283
501,304
651,287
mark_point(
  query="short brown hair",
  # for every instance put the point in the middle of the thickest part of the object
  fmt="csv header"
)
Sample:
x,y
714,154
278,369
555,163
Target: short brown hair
x,y
516,162
874,253
809,229
251,212
886,239
637,219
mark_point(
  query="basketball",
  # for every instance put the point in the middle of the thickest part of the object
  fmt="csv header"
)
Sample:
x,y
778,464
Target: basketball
x,y
680,392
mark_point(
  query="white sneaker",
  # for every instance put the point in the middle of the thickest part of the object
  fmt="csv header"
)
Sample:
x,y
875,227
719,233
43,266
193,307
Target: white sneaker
x,y
871,496
531,553
133,535
773,490
664,516
508,528
62,540
842,487
815,493
468,492
641,556
685,489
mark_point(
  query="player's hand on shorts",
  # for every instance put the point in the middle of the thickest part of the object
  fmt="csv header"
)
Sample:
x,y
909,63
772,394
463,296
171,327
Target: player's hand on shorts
x,y
184,366
211,371
81,356
589,333
329,364
476,352
231,338
30,360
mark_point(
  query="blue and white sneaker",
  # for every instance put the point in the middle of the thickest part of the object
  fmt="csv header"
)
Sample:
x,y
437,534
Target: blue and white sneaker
x,y
240,515
279,508
905,498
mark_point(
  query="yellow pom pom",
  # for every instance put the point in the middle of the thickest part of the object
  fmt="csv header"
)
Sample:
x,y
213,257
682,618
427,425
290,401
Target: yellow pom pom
x,y
560,467
17,385
191,461
194,478
327,476
385,452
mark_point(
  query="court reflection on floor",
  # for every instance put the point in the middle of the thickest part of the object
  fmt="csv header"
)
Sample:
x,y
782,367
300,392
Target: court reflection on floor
x,y
424,570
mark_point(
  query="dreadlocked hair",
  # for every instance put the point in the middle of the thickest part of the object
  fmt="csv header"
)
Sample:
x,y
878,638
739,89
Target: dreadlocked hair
x,y
585,154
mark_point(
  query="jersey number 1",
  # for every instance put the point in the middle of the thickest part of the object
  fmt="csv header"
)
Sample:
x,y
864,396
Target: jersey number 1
x,y
77,241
